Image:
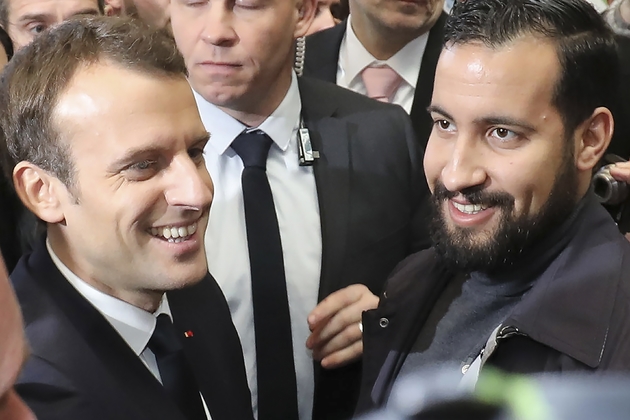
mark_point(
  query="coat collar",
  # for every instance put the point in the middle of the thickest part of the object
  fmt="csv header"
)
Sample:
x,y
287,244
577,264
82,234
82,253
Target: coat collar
x,y
570,306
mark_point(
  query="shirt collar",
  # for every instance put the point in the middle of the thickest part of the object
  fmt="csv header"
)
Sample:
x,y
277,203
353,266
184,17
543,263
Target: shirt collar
x,y
354,57
134,325
279,125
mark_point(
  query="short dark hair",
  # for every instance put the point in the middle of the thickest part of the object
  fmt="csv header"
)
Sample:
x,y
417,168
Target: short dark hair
x,y
589,75
4,11
38,73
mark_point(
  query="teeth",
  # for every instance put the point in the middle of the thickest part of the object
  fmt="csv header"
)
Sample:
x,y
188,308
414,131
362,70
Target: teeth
x,y
174,234
469,208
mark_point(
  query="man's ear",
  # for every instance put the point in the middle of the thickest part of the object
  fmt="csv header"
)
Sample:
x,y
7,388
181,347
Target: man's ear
x,y
306,13
39,191
594,137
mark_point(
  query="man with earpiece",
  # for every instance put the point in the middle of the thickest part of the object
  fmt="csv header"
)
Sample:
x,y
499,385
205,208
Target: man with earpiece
x,y
319,194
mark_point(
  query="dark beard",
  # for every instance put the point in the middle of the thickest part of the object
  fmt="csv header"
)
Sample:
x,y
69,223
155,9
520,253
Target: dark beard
x,y
462,249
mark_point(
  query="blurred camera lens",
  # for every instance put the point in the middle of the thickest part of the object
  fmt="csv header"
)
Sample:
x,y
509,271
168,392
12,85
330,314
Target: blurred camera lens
x,y
607,189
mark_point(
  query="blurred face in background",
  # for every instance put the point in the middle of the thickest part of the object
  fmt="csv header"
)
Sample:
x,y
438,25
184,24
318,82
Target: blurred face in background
x,y
156,13
399,21
29,18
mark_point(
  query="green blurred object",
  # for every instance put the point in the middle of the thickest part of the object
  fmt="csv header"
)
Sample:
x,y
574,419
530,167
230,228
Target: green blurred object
x,y
520,394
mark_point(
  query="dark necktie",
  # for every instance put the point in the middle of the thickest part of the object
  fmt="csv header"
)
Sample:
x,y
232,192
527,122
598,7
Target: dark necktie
x,y
277,388
177,376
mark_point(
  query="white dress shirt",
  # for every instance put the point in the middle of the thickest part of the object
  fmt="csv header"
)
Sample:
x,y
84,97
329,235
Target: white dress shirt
x,y
297,208
134,325
353,58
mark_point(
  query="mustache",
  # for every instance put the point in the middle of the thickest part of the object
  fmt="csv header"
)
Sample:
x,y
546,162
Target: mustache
x,y
474,195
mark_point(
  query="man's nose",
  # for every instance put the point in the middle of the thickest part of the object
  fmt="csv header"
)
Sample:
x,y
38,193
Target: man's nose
x,y
464,168
218,27
189,185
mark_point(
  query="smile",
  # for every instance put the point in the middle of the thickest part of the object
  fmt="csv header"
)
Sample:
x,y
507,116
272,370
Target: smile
x,y
174,234
469,208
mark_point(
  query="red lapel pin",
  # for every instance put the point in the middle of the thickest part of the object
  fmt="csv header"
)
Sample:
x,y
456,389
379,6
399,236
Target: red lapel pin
x,y
188,334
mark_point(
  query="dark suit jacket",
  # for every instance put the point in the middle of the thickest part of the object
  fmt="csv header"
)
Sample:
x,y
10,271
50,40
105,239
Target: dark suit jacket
x,y
81,368
322,56
372,201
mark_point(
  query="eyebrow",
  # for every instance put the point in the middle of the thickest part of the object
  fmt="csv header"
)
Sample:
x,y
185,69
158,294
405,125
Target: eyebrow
x,y
439,110
135,153
132,155
503,120
488,120
90,11
42,17
35,16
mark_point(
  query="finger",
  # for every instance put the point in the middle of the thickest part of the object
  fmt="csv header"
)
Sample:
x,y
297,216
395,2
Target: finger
x,y
343,357
620,173
335,302
346,338
346,317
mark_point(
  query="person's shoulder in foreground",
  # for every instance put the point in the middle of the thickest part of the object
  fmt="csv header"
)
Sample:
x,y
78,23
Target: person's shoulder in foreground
x,y
104,144
13,352
527,271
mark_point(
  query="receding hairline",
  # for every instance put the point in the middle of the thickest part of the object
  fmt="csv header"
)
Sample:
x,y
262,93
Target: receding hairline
x,y
103,61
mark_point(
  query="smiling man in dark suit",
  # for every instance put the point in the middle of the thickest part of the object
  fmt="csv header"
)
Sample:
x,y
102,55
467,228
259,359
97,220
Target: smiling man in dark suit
x,y
105,146
288,228
386,49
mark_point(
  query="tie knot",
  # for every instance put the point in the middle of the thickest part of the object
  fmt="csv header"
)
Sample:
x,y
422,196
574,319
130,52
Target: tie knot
x,y
164,339
253,148
380,82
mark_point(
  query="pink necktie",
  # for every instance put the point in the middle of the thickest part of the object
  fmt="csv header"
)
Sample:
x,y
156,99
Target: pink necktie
x,y
381,82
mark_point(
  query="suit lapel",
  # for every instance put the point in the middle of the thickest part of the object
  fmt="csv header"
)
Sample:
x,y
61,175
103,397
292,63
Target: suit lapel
x,y
109,360
424,87
202,317
322,53
331,137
